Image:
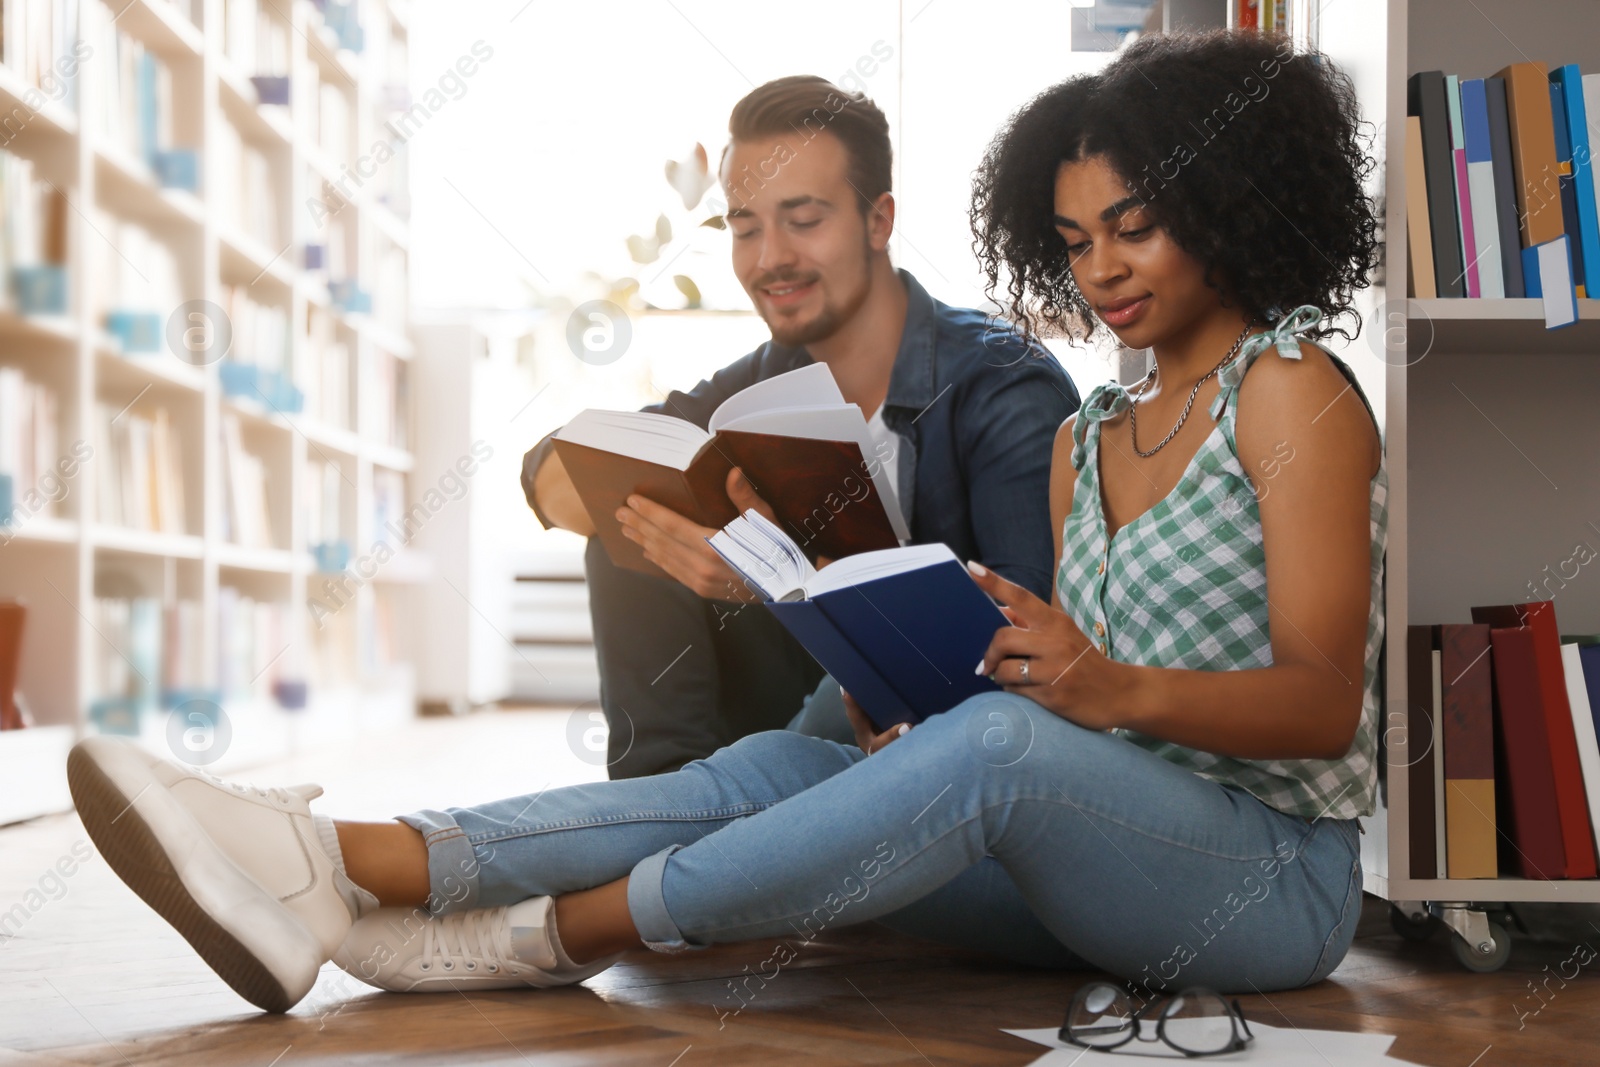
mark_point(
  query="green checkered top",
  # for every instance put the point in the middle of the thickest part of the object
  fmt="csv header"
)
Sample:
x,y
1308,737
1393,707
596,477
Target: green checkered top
x,y
1185,585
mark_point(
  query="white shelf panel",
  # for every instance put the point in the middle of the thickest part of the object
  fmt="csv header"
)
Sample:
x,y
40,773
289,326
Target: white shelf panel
x,y
265,560
41,529
49,124
161,27
54,330
127,187
395,459
329,438
33,766
136,370
266,125
146,542
246,261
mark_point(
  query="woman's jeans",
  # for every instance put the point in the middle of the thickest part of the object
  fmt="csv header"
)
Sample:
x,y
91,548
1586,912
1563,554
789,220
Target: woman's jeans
x,y
996,826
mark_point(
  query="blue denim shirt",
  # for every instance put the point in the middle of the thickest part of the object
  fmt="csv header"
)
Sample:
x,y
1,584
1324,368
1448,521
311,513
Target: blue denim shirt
x,y
976,410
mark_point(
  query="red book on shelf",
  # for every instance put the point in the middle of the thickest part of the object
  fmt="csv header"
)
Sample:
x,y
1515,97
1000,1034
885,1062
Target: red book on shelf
x,y
1530,819
1540,616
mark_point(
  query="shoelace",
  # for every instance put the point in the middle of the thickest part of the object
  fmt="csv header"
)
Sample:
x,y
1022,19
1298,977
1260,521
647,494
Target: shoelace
x,y
478,935
276,793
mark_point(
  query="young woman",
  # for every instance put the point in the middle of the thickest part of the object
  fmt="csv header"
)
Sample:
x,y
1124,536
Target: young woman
x,y
1168,787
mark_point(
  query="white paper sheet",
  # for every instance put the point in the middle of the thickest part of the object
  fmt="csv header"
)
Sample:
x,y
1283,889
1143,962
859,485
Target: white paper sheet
x,y
1273,1047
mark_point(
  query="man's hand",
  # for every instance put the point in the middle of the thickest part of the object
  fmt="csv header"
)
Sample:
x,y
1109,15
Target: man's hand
x,y
678,545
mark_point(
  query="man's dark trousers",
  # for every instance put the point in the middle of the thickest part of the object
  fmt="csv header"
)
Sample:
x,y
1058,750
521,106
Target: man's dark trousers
x,y
715,672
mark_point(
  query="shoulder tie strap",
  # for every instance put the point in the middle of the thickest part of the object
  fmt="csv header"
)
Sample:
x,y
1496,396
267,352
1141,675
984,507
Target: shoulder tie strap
x,y
1281,336
1105,401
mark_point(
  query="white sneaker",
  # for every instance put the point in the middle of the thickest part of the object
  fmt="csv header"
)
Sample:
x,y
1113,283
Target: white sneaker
x,y
405,950
236,870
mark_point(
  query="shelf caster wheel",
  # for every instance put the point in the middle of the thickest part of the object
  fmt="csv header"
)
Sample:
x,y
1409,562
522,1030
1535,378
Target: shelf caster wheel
x,y
1473,958
1411,928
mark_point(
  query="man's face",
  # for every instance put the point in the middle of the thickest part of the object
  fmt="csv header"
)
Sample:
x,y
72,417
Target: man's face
x,y
801,246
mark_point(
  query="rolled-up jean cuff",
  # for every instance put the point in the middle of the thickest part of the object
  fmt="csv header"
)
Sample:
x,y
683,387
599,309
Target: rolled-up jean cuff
x,y
648,907
452,865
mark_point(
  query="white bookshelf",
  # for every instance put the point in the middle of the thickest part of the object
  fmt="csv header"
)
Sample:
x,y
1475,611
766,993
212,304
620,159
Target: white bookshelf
x,y
54,562
1491,427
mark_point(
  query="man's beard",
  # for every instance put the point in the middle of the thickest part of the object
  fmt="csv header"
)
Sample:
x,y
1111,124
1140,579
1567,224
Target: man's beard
x,y
827,322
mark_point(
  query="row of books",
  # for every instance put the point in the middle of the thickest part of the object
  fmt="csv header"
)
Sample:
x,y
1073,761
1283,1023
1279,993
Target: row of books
x,y
152,657
323,509
324,372
387,396
1500,183
1503,762
135,109
134,280
36,41
246,516
256,38
244,189
260,331
140,484
29,446
33,240
331,123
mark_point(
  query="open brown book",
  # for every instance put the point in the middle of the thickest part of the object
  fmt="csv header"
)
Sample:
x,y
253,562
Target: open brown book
x,y
806,452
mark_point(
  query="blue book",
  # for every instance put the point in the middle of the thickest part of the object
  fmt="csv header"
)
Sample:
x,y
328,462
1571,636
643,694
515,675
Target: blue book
x,y
900,629
1480,183
1505,187
1569,199
1547,275
1589,654
1572,130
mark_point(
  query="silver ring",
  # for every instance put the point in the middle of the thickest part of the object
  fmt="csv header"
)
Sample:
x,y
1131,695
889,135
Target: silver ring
x,y
1024,672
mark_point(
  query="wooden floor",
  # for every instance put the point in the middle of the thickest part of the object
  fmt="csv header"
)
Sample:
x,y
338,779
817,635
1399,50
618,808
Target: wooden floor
x,y
93,977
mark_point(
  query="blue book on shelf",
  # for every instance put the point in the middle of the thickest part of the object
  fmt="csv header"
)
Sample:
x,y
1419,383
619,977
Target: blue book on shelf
x,y
146,102
177,168
137,331
271,89
1505,187
41,289
1572,130
7,499
1589,656
1547,275
1480,182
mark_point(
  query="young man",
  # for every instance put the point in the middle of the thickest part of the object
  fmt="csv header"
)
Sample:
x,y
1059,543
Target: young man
x,y
962,412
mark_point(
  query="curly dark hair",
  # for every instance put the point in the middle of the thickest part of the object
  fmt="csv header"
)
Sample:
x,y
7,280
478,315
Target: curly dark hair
x,y
1248,154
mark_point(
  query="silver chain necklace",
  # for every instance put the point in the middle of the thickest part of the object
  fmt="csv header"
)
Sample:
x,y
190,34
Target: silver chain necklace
x,y
1149,380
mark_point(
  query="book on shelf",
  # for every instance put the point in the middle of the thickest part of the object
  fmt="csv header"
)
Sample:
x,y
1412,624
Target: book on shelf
x,y
246,516
135,282
33,240
135,109
244,189
1419,237
388,400
1422,728
30,447
324,374
806,452
1509,243
142,485
1539,618
1529,812
255,39
1462,186
1583,722
252,644
1467,725
1478,163
1507,186
39,41
900,629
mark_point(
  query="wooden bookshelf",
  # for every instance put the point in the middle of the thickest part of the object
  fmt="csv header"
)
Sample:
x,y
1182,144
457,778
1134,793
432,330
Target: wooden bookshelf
x,y
58,562
1491,430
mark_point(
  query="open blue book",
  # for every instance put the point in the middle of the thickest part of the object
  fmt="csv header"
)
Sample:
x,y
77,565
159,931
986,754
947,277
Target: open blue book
x,y
901,629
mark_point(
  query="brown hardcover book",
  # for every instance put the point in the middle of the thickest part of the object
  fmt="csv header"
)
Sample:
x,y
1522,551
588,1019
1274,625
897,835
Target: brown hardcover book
x,y
1529,817
1540,616
1419,748
1533,152
13,615
1468,727
1419,237
804,450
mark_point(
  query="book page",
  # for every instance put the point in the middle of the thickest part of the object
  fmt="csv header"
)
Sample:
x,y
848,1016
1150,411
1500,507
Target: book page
x,y
868,566
646,435
806,387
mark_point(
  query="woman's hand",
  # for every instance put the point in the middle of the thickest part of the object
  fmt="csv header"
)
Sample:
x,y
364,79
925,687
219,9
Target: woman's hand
x,y
1046,658
866,735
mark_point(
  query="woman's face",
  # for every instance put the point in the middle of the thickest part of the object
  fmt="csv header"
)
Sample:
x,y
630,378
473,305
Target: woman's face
x,y
1134,276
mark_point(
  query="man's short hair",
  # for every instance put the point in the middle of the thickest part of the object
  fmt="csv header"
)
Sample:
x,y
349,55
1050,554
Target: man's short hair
x,y
804,105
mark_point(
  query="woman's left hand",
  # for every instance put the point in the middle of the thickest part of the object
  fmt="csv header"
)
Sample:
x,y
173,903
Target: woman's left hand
x,y
1045,657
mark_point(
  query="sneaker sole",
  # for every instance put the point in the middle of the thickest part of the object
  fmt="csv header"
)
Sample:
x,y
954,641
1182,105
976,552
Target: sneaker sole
x,y
134,849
